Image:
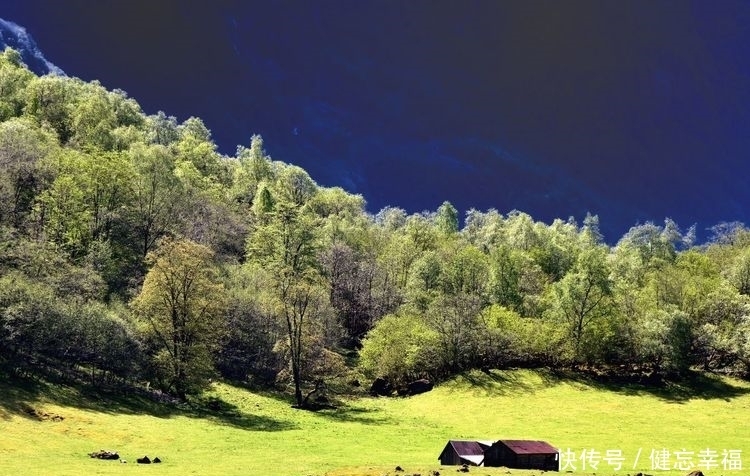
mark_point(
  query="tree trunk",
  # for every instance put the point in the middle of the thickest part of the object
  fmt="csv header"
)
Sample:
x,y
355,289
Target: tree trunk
x,y
297,386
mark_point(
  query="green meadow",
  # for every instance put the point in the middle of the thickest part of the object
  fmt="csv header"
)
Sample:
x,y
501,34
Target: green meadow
x,y
49,429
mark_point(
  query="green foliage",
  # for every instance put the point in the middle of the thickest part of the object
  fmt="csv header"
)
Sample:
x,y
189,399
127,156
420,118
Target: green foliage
x,y
93,118
581,300
157,193
663,340
295,186
740,272
49,100
182,303
86,200
24,172
90,185
14,78
446,218
247,350
28,311
506,269
286,245
513,339
400,347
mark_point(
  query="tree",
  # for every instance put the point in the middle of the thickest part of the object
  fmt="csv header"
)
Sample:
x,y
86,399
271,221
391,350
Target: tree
x,y
455,320
352,289
663,340
253,329
14,77
401,348
87,198
485,230
424,282
655,244
454,311
23,174
582,297
740,272
93,118
391,218
286,247
162,129
156,194
49,101
196,147
506,266
590,231
183,302
446,218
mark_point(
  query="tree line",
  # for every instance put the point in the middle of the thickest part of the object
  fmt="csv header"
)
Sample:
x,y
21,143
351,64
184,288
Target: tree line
x,y
131,248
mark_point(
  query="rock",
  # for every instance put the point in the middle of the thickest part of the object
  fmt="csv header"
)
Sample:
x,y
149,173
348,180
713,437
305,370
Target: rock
x,y
144,460
399,468
695,473
381,387
102,454
464,468
419,386
156,460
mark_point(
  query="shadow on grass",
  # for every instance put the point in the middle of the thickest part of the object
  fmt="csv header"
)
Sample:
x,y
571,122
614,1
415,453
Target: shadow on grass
x,y
695,385
21,395
493,382
347,414
340,411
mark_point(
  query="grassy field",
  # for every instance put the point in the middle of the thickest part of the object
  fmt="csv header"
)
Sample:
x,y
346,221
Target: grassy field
x,y
48,430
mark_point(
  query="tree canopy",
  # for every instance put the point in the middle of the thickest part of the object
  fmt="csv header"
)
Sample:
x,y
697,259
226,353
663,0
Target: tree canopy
x,y
155,258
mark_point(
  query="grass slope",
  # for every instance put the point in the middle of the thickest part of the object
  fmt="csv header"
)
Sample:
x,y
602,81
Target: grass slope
x,y
259,434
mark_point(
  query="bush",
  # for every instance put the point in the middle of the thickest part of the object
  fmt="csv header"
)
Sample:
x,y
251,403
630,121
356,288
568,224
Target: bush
x,y
401,348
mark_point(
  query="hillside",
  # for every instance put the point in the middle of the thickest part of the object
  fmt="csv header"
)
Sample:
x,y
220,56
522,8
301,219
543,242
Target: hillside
x,y
257,433
134,251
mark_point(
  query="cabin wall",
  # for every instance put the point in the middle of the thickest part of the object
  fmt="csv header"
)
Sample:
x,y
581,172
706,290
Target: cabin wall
x,y
501,455
450,458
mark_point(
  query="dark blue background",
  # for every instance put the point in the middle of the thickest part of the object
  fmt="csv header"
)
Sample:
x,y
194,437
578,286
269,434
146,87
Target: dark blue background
x,y
631,110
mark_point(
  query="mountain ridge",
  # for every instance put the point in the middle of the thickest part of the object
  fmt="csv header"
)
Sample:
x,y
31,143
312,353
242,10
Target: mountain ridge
x,y
15,36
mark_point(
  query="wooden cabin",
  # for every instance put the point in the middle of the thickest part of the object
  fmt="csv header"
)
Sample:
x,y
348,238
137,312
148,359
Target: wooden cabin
x,y
523,454
458,452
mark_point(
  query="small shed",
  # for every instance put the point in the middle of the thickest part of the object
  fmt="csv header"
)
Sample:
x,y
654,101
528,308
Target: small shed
x,y
523,454
458,452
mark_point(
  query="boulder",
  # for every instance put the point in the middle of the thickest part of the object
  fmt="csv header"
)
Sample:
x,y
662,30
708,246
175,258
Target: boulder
x,y
695,473
102,454
144,460
419,386
381,388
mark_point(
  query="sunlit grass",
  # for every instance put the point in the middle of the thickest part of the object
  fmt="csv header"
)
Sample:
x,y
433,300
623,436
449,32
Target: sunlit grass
x,y
249,433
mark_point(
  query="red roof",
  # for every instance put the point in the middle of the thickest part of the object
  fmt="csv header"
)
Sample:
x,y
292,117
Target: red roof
x,y
467,448
522,447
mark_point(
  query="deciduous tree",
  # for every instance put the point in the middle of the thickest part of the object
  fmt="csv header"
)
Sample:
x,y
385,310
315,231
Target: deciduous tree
x,y
182,302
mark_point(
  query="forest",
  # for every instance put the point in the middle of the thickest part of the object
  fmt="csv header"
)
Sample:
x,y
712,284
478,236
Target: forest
x,y
133,252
